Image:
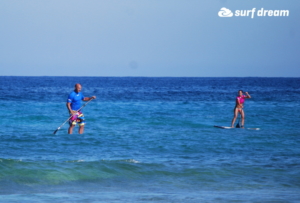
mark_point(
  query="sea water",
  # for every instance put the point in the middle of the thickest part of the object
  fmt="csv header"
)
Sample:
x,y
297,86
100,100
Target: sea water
x,y
150,140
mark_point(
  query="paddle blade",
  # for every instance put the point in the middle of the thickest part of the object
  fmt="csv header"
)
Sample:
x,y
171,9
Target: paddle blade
x,y
237,125
55,131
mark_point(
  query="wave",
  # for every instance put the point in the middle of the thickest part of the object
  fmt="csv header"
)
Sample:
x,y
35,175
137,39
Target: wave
x,y
130,175
56,172
47,172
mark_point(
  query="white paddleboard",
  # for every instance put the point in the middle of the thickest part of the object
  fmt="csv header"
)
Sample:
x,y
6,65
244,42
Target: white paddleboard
x,y
223,127
226,127
253,128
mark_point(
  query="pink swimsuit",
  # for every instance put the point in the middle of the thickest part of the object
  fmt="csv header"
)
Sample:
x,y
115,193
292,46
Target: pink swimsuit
x,y
241,99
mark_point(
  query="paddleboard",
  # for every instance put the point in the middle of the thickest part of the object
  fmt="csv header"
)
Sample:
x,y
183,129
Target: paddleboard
x,y
226,127
223,127
253,128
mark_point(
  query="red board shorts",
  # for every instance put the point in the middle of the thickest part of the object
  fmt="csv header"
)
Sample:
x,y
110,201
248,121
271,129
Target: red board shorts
x,y
77,118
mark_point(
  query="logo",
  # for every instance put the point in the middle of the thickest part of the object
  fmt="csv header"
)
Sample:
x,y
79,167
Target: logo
x,y
224,12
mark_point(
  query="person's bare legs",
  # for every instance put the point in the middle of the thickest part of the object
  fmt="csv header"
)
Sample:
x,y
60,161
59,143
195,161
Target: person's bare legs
x,y
235,114
70,130
243,118
81,129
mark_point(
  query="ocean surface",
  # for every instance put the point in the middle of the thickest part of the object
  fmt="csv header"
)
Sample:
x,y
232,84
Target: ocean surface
x,y
150,139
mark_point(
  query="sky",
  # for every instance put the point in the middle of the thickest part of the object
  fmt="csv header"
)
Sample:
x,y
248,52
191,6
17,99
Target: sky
x,y
149,38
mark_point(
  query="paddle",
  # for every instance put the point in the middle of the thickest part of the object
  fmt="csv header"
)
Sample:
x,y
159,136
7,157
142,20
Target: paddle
x,y
71,116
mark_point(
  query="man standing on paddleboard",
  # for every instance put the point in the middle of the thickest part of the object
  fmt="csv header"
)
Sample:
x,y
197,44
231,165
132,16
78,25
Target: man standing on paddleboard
x,y
73,105
239,105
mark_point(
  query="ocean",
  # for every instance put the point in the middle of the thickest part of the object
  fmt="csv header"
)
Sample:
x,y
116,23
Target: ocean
x,y
150,139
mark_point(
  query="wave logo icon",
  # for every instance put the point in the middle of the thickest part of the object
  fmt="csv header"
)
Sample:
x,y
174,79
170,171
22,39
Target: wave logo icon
x,y
225,12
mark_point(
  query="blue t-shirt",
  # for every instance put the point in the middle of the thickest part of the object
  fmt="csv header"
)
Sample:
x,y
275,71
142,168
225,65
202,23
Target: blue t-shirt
x,y
75,100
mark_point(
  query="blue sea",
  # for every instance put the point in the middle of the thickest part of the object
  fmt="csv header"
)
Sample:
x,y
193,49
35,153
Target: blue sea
x,y
150,139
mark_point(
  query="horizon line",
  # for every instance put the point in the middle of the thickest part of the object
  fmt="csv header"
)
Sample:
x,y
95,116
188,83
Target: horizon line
x,y
156,76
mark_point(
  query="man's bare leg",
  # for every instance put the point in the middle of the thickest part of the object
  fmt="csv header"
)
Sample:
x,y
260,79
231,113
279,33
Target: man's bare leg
x,y
81,129
70,130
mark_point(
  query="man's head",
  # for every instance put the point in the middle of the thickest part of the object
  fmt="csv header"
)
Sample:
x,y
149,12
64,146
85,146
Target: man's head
x,y
77,87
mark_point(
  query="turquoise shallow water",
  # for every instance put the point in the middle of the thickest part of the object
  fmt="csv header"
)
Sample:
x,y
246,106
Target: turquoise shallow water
x,y
150,139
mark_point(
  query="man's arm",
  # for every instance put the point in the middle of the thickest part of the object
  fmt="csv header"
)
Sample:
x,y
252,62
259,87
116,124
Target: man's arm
x,y
89,98
69,107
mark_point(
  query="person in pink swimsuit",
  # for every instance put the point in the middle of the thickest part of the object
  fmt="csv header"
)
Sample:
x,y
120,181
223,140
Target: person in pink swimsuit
x,y
239,105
